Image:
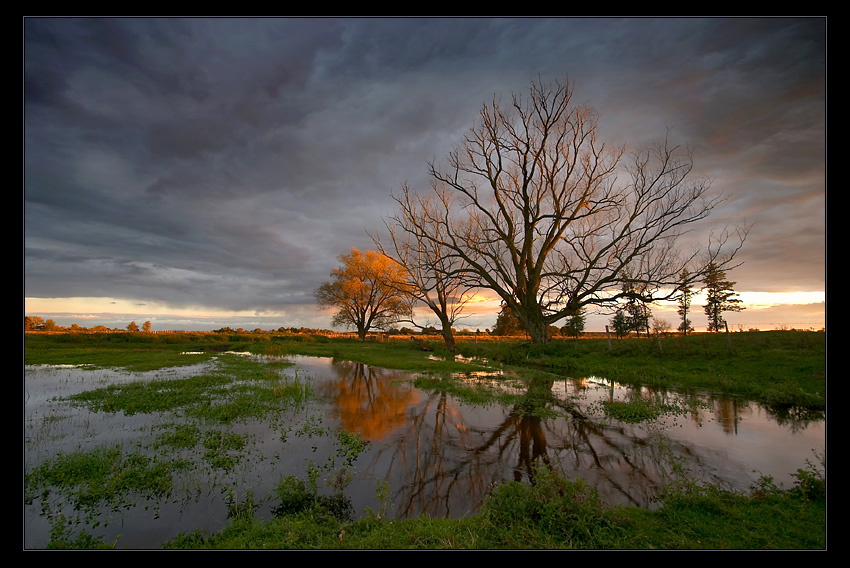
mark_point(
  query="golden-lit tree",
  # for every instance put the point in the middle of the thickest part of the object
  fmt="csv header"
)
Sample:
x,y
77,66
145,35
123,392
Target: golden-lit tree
x,y
363,292
553,220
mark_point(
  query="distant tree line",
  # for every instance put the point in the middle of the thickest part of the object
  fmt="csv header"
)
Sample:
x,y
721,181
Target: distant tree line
x,y
636,315
37,323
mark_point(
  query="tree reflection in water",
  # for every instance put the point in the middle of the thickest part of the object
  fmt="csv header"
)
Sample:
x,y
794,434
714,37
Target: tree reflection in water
x,y
442,456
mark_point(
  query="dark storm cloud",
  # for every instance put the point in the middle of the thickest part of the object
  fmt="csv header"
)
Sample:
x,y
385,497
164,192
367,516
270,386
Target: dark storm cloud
x,y
229,161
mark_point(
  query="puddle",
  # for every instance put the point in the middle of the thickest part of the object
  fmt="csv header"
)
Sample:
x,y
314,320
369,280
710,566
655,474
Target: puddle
x,y
438,455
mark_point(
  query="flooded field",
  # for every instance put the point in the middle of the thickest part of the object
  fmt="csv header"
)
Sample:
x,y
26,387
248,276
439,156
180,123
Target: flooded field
x,y
427,451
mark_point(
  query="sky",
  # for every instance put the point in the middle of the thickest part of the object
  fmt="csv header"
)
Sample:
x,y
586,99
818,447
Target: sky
x,y
207,172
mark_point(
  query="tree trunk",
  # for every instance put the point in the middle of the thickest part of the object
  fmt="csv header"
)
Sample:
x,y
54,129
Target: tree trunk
x,y
449,338
538,331
446,331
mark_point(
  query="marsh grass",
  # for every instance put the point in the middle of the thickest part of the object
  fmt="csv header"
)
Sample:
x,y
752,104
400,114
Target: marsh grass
x,y
647,408
179,436
783,369
105,476
223,449
632,412
239,389
477,392
552,513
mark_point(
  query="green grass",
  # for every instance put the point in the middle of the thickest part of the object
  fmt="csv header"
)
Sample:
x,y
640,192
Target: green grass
x,y
105,476
782,369
134,351
553,513
239,389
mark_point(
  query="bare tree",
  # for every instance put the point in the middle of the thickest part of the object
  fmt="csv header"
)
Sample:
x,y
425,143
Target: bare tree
x,y
540,212
360,294
435,276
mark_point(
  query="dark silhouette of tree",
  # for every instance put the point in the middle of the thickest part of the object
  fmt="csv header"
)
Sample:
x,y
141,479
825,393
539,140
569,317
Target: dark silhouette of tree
x,y
507,323
637,313
553,220
720,297
575,325
684,301
620,324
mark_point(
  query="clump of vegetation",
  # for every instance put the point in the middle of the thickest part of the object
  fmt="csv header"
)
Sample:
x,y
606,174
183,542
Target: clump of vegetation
x,y
296,497
237,390
476,392
811,480
222,449
635,411
62,537
644,409
179,436
552,511
103,476
349,446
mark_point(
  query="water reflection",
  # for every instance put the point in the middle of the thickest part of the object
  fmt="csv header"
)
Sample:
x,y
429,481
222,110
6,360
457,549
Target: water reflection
x,y
438,454
442,456
366,400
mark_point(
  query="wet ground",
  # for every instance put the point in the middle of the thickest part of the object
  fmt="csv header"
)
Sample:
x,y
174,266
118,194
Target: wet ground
x,y
436,454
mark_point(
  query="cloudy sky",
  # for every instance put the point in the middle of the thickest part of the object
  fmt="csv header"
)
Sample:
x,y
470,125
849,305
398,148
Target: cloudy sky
x,y
201,173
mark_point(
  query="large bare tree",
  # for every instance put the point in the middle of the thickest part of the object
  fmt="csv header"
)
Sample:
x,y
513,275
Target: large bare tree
x,y
553,220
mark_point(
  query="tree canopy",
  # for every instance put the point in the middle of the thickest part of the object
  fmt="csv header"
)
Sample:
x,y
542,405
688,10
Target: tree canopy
x,y
364,292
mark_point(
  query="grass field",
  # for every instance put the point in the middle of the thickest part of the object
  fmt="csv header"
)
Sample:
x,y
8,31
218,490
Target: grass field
x,y
778,368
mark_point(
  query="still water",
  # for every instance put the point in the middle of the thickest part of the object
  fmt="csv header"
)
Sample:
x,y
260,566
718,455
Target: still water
x,y
435,454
